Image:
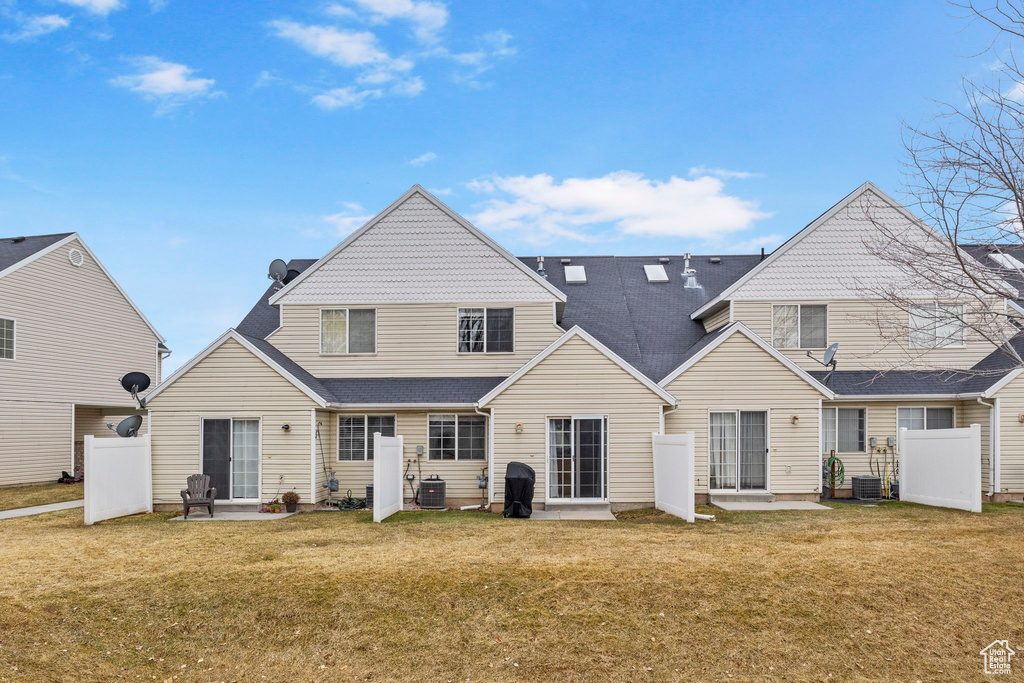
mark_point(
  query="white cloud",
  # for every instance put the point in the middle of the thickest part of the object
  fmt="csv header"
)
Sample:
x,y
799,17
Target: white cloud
x,y
698,171
166,83
338,98
616,205
350,219
426,17
409,87
423,159
492,46
157,5
101,7
343,47
34,26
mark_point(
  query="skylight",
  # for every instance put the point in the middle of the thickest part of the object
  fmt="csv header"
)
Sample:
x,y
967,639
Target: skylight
x,y
575,275
1006,261
656,273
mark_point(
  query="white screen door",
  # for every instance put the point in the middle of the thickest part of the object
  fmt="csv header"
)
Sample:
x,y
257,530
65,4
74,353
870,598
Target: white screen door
x,y
738,450
245,459
577,457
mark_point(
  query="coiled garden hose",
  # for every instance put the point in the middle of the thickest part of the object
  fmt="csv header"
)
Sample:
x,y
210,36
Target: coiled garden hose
x,y
840,474
349,503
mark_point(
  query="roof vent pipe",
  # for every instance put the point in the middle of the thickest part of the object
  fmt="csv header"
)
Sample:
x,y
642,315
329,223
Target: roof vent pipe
x,y
540,267
664,259
689,274
762,253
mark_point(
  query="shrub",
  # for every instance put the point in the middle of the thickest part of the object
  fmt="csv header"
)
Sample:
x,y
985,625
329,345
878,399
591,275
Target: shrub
x,y
290,498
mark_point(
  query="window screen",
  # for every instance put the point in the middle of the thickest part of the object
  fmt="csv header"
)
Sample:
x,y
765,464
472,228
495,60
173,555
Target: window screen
x,y
472,437
499,330
6,338
486,330
334,331
842,430
441,437
362,330
799,326
385,424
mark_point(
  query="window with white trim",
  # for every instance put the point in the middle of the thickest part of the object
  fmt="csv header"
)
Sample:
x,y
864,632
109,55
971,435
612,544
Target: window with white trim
x,y
355,434
486,330
842,430
920,417
799,326
936,325
6,338
348,330
457,437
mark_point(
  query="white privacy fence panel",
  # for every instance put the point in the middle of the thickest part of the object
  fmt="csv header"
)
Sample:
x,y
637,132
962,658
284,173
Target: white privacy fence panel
x,y
941,467
674,475
387,476
118,478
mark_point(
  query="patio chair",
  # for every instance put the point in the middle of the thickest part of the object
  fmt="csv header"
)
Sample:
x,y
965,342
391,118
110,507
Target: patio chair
x,y
199,494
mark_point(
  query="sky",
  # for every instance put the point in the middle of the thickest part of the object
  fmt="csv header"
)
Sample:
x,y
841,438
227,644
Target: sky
x,y
190,143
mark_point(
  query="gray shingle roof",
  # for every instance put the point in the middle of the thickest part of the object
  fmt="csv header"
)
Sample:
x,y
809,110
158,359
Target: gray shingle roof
x,y
12,252
289,366
264,318
400,390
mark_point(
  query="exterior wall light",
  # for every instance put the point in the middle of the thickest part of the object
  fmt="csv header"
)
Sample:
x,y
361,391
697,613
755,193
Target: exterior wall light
x,y
286,427
795,419
519,427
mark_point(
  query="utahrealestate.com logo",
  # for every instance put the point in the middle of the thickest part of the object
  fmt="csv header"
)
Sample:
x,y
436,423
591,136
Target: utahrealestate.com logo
x,y
997,657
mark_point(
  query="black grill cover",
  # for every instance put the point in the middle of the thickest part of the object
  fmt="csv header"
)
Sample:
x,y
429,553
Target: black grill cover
x,y
519,481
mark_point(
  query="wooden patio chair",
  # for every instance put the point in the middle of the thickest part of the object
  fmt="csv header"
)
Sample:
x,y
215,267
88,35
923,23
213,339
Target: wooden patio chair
x,y
199,494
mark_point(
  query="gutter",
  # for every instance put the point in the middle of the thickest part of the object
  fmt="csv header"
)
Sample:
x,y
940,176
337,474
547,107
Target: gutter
x,y
490,452
908,397
993,444
400,406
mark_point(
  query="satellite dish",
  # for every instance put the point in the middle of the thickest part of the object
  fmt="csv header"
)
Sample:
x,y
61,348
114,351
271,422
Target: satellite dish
x,y
129,426
278,271
830,353
134,382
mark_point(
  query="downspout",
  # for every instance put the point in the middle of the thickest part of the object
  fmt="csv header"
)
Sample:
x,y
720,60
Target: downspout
x,y
661,420
490,452
993,443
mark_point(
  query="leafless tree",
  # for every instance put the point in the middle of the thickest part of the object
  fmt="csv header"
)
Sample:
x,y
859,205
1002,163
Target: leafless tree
x,y
964,174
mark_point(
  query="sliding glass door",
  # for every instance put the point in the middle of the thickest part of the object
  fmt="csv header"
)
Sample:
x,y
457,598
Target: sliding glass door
x,y
738,450
231,457
577,457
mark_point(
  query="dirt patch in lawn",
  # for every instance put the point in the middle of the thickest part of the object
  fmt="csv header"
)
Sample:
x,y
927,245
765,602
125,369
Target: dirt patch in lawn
x,y
13,497
893,592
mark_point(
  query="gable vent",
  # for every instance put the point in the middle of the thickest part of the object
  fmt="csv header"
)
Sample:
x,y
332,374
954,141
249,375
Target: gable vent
x,y
575,275
76,257
656,273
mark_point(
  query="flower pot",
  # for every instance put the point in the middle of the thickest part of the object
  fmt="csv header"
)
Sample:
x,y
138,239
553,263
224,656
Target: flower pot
x,y
291,507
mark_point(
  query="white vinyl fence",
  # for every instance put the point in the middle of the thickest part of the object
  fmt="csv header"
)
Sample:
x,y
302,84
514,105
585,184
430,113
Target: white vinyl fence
x,y
387,476
941,467
674,474
118,478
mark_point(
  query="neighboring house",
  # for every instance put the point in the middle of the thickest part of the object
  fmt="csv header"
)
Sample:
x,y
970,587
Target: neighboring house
x,y
67,333
418,324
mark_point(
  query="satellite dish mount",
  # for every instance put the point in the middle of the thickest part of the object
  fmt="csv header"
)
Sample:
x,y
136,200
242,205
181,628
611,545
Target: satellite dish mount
x,y
135,383
829,360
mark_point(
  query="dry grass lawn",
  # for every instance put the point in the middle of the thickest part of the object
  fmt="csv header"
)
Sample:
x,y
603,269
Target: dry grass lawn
x,y
13,497
894,592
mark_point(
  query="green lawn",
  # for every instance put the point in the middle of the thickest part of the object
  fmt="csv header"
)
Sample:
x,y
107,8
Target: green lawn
x,y
891,592
13,497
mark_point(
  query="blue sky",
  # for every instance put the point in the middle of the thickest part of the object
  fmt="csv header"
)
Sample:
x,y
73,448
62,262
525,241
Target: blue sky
x,y
190,143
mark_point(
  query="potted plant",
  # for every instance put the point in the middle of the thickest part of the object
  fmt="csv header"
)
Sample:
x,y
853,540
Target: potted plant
x,y
291,501
272,507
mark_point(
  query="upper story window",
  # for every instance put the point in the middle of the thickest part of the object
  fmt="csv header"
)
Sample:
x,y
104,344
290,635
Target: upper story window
x,y
348,330
936,325
799,326
486,330
6,338
457,437
355,434
925,418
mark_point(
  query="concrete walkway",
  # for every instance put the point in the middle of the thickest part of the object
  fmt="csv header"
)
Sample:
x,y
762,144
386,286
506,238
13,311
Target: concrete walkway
x,y
233,516
40,509
574,515
769,506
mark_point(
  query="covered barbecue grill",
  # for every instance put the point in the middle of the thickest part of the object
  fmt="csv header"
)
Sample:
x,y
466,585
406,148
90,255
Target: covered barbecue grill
x,y
519,481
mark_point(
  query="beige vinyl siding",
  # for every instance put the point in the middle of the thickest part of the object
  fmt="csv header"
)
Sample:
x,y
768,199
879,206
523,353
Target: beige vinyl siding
x,y
231,382
415,340
855,325
1011,437
93,421
459,475
577,379
881,423
739,375
972,412
717,320
75,333
326,453
35,441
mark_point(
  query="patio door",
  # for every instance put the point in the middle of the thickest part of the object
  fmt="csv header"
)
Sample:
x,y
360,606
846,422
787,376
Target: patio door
x,y
738,450
231,457
577,457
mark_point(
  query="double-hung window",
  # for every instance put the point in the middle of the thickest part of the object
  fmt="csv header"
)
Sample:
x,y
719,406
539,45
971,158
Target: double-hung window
x,y
6,338
799,326
355,434
486,330
936,325
348,330
457,437
842,430
919,417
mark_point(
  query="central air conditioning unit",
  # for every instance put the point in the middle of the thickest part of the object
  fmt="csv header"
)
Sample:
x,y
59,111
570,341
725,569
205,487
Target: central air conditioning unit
x,y
432,493
867,488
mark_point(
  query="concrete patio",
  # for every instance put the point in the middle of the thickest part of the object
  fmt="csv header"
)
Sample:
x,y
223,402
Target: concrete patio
x,y
767,506
233,516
